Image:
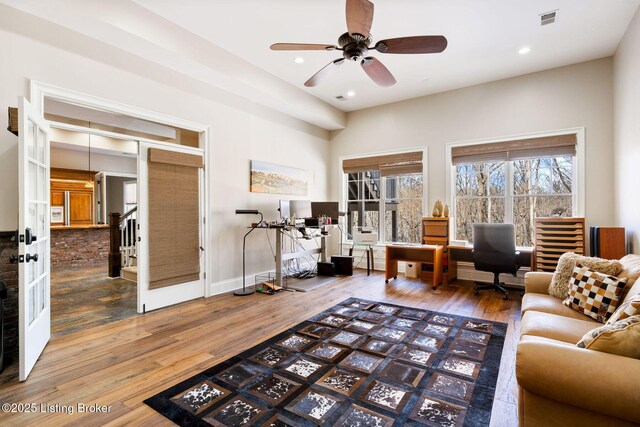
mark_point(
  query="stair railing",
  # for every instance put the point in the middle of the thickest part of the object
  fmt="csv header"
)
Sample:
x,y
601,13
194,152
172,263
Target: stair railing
x,y
122,241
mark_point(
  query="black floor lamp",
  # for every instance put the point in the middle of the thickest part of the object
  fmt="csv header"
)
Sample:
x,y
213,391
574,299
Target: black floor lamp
x,y
244,290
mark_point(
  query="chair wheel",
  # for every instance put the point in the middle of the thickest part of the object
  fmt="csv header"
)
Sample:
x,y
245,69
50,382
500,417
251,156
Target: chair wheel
x,y
505,297
386,281
475,292
395,277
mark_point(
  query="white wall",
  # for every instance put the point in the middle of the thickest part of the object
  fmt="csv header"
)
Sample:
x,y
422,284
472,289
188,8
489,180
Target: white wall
x,y
75,159
626,84
573,96
241,131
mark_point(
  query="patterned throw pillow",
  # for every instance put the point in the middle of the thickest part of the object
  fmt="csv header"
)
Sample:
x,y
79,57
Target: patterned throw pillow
x,y
594,294
559,285
619,338
631,307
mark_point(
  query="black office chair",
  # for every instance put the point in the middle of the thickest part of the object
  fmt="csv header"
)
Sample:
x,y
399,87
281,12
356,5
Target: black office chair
x,y
494,250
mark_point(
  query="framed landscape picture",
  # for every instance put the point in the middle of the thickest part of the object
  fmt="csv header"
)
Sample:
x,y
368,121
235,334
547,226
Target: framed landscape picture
x,y
277,179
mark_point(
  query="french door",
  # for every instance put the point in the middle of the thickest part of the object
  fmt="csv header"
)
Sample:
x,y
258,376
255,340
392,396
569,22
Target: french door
x,y
158,285
33,234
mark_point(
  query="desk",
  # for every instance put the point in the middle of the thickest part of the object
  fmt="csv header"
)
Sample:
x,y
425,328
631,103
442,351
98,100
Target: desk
x,y
282,256
428,254
464,254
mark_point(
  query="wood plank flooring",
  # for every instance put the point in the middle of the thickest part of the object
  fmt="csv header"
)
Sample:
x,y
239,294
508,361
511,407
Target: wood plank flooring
x,y
121,363
86,297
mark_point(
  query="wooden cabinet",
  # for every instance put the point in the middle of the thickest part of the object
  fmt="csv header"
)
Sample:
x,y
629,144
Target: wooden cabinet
x,y
435,231
79,185
555,236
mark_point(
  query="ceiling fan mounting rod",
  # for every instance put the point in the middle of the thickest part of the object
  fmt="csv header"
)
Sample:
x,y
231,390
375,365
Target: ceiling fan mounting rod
x,y
354,47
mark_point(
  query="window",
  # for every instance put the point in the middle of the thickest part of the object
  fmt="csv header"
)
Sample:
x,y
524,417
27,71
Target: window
x,y
480,196
514,181
385,193
403,208
363,200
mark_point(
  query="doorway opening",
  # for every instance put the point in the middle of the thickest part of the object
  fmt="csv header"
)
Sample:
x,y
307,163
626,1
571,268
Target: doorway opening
x,y
94,196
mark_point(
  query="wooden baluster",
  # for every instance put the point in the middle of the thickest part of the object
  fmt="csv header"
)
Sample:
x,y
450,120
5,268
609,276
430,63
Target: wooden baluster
x,y
115,261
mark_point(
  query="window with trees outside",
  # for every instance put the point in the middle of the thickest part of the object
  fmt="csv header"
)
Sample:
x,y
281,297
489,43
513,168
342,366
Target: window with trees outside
x,y
514,191
385,194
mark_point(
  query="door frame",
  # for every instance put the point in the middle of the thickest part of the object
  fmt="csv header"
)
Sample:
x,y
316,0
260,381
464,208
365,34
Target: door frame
x,y
38,91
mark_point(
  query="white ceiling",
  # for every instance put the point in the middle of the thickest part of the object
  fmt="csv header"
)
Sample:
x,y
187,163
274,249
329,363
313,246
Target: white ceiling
x,y
484,39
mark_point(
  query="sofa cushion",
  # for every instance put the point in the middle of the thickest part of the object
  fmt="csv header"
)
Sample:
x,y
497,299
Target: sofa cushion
x,y
621,338
631,307
554,327
559,286
594,294
631,271
548,304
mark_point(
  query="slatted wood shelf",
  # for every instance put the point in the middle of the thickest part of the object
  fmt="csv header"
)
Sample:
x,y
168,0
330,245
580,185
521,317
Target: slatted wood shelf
x,y
554,237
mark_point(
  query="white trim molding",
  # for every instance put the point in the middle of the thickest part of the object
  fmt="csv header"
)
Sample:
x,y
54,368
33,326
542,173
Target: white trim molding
x,y
425,177
579,196
38,91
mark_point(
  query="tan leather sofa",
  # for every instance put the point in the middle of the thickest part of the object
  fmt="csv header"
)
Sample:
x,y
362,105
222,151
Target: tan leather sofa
x,y
560,384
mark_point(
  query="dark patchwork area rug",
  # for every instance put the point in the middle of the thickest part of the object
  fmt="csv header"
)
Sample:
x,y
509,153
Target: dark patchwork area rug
x,y
360,363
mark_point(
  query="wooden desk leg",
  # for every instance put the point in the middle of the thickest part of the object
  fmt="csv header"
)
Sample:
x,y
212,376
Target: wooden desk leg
x,y
437,268
390,266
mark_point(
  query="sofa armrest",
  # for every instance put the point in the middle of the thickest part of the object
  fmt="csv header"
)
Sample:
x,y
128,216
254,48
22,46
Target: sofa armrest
x,y
537,282
600,382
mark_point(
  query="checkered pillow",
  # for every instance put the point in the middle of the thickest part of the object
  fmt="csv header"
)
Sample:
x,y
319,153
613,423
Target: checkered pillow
x,y
631,307
594,294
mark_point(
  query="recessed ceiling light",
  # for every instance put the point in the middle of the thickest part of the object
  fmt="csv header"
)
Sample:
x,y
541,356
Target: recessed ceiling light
x,y
299,60
351,94
524,50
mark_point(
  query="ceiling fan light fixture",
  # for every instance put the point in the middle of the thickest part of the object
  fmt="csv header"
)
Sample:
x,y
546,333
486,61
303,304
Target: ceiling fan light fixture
x,y
299,60
524,50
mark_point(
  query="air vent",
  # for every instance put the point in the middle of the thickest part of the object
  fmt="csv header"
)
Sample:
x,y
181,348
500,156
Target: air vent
x,y
341,98
548,17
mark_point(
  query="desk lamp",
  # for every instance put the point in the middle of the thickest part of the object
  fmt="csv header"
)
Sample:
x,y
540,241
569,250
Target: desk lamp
x,y
244,290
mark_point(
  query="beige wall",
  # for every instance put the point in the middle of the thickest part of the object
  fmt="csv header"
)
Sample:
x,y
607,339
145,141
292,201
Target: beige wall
x,y
241,131
626,65
574,96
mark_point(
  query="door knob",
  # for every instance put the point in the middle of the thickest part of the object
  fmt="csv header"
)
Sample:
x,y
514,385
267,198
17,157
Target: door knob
x,y
30,257
29,237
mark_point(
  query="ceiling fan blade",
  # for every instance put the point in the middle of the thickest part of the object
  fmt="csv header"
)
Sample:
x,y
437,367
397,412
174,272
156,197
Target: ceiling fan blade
x,y
323,73
378,72
415,44
359,17
302,46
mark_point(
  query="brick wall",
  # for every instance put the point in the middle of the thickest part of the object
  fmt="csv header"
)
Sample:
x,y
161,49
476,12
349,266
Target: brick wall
x,y
79,247
9,274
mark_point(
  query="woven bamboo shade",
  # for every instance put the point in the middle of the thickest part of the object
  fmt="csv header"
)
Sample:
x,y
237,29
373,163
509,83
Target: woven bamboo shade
x,y
174,217
388,165
13,121
519,149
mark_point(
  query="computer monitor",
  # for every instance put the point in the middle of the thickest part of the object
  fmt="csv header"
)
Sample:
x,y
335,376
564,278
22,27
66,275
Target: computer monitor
x,y
328,209
285,209
300,208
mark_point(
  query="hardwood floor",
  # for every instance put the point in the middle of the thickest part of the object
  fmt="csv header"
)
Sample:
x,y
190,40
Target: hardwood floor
x,y
86,297
123,362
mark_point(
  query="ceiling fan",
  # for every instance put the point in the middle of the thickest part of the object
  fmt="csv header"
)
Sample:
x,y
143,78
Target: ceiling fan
x,y
356,43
